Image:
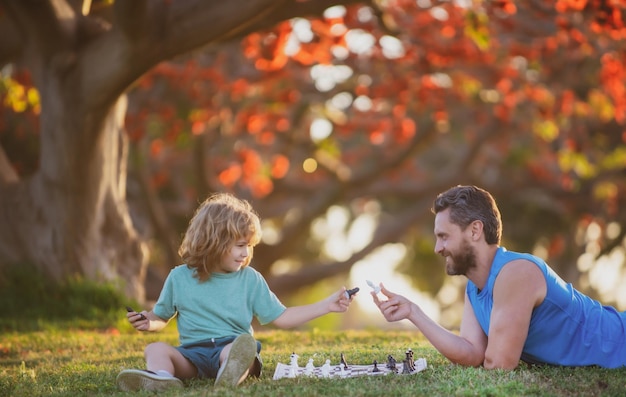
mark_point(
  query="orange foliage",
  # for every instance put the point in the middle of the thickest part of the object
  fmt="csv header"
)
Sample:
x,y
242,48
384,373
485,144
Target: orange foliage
x,y
280,166
613,78
531,77
156,147
197,127
556,246
230,175
567,102
566,5
251,162
239,88
266,138
448,31
160,178
282,124
260,186
406,131
271,55
377,137
256,123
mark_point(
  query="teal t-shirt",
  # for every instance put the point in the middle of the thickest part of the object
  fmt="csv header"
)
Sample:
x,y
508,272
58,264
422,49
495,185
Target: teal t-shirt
x,y
222,306
568,328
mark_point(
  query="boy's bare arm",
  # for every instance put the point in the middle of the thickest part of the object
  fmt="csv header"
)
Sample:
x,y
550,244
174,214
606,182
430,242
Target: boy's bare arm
x,y
298,315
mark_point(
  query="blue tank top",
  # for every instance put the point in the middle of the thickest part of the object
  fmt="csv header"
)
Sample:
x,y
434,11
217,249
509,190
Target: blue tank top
x,y
568,328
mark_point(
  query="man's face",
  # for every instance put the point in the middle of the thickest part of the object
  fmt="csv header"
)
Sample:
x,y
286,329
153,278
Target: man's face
x,y
454,245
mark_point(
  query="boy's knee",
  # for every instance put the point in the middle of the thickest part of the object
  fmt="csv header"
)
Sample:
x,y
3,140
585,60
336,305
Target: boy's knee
x,y
156,347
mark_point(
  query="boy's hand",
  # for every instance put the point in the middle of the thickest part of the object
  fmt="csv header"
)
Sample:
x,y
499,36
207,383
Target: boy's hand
x,y
138,320
338,302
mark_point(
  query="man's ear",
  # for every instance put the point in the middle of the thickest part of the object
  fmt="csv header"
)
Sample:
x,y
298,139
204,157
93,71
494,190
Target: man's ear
x,y
477,229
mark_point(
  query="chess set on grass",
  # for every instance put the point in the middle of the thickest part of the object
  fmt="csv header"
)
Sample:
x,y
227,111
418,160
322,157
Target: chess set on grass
x,y
408,366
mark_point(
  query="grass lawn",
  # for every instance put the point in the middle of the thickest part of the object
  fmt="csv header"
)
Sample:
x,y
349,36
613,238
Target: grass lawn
x,y
86,362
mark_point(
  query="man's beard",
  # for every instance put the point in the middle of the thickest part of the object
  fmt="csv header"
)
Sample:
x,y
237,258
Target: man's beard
x,y
463,261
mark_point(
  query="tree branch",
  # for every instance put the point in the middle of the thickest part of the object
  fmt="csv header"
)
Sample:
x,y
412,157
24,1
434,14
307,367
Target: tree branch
x,y
129,17
388,232
7,172
11,41
50,24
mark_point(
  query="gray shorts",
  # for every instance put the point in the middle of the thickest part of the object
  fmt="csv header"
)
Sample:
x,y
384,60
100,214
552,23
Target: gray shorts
x,y
205,356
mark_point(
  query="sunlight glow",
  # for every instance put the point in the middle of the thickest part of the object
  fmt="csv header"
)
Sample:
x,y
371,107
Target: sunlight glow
x,y
309,165
328,76
359,41
365,14
392,47
363,103
302,29
606,274
332,228
340,52
380,266
335,12
361,232
341,101
271,234
439,13
320,129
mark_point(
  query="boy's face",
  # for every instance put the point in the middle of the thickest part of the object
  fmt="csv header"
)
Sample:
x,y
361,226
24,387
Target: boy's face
x,y
236,258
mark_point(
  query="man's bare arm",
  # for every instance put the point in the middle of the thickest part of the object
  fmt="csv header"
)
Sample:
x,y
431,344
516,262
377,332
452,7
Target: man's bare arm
x,y
519,288
465,349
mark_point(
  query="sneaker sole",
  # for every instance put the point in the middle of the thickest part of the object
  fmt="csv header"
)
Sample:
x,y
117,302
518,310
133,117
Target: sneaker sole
x,y
239,360
135,380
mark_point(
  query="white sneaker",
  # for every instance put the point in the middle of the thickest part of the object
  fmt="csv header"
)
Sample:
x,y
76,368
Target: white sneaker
x,y
235,368
139,379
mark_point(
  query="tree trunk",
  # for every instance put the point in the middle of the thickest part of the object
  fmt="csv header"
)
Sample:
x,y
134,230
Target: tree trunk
x,y
71,217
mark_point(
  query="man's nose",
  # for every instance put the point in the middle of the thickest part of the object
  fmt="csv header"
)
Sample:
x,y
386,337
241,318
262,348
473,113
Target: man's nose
x,y
438,248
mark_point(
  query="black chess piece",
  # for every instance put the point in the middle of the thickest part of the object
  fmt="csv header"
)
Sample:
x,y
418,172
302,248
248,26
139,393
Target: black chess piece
x,y
343,361
391,363
410,360
376,369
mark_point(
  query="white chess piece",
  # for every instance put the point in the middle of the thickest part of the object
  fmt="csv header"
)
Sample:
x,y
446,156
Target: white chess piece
x,y
373,286
293,366
326,369
308,370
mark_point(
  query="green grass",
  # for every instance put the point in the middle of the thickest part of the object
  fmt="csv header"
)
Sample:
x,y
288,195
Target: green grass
x,y
67,362
72,339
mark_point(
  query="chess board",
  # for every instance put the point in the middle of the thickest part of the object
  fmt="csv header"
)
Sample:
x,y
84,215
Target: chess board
x,y
286,370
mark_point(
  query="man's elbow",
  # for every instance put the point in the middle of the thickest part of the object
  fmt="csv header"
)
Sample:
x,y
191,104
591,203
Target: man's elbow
x,y
500,363
474,360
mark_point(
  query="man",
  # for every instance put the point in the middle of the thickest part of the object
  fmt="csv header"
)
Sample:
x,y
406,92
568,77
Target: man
x,y
516,307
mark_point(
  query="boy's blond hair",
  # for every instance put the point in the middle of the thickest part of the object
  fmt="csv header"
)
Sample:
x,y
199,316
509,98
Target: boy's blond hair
x,y
218,223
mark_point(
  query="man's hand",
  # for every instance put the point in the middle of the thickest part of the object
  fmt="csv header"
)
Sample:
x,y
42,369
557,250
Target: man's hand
x,y
395,308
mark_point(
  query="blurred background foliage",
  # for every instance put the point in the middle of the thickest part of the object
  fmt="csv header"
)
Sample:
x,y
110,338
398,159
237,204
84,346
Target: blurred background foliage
x,y
341,130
